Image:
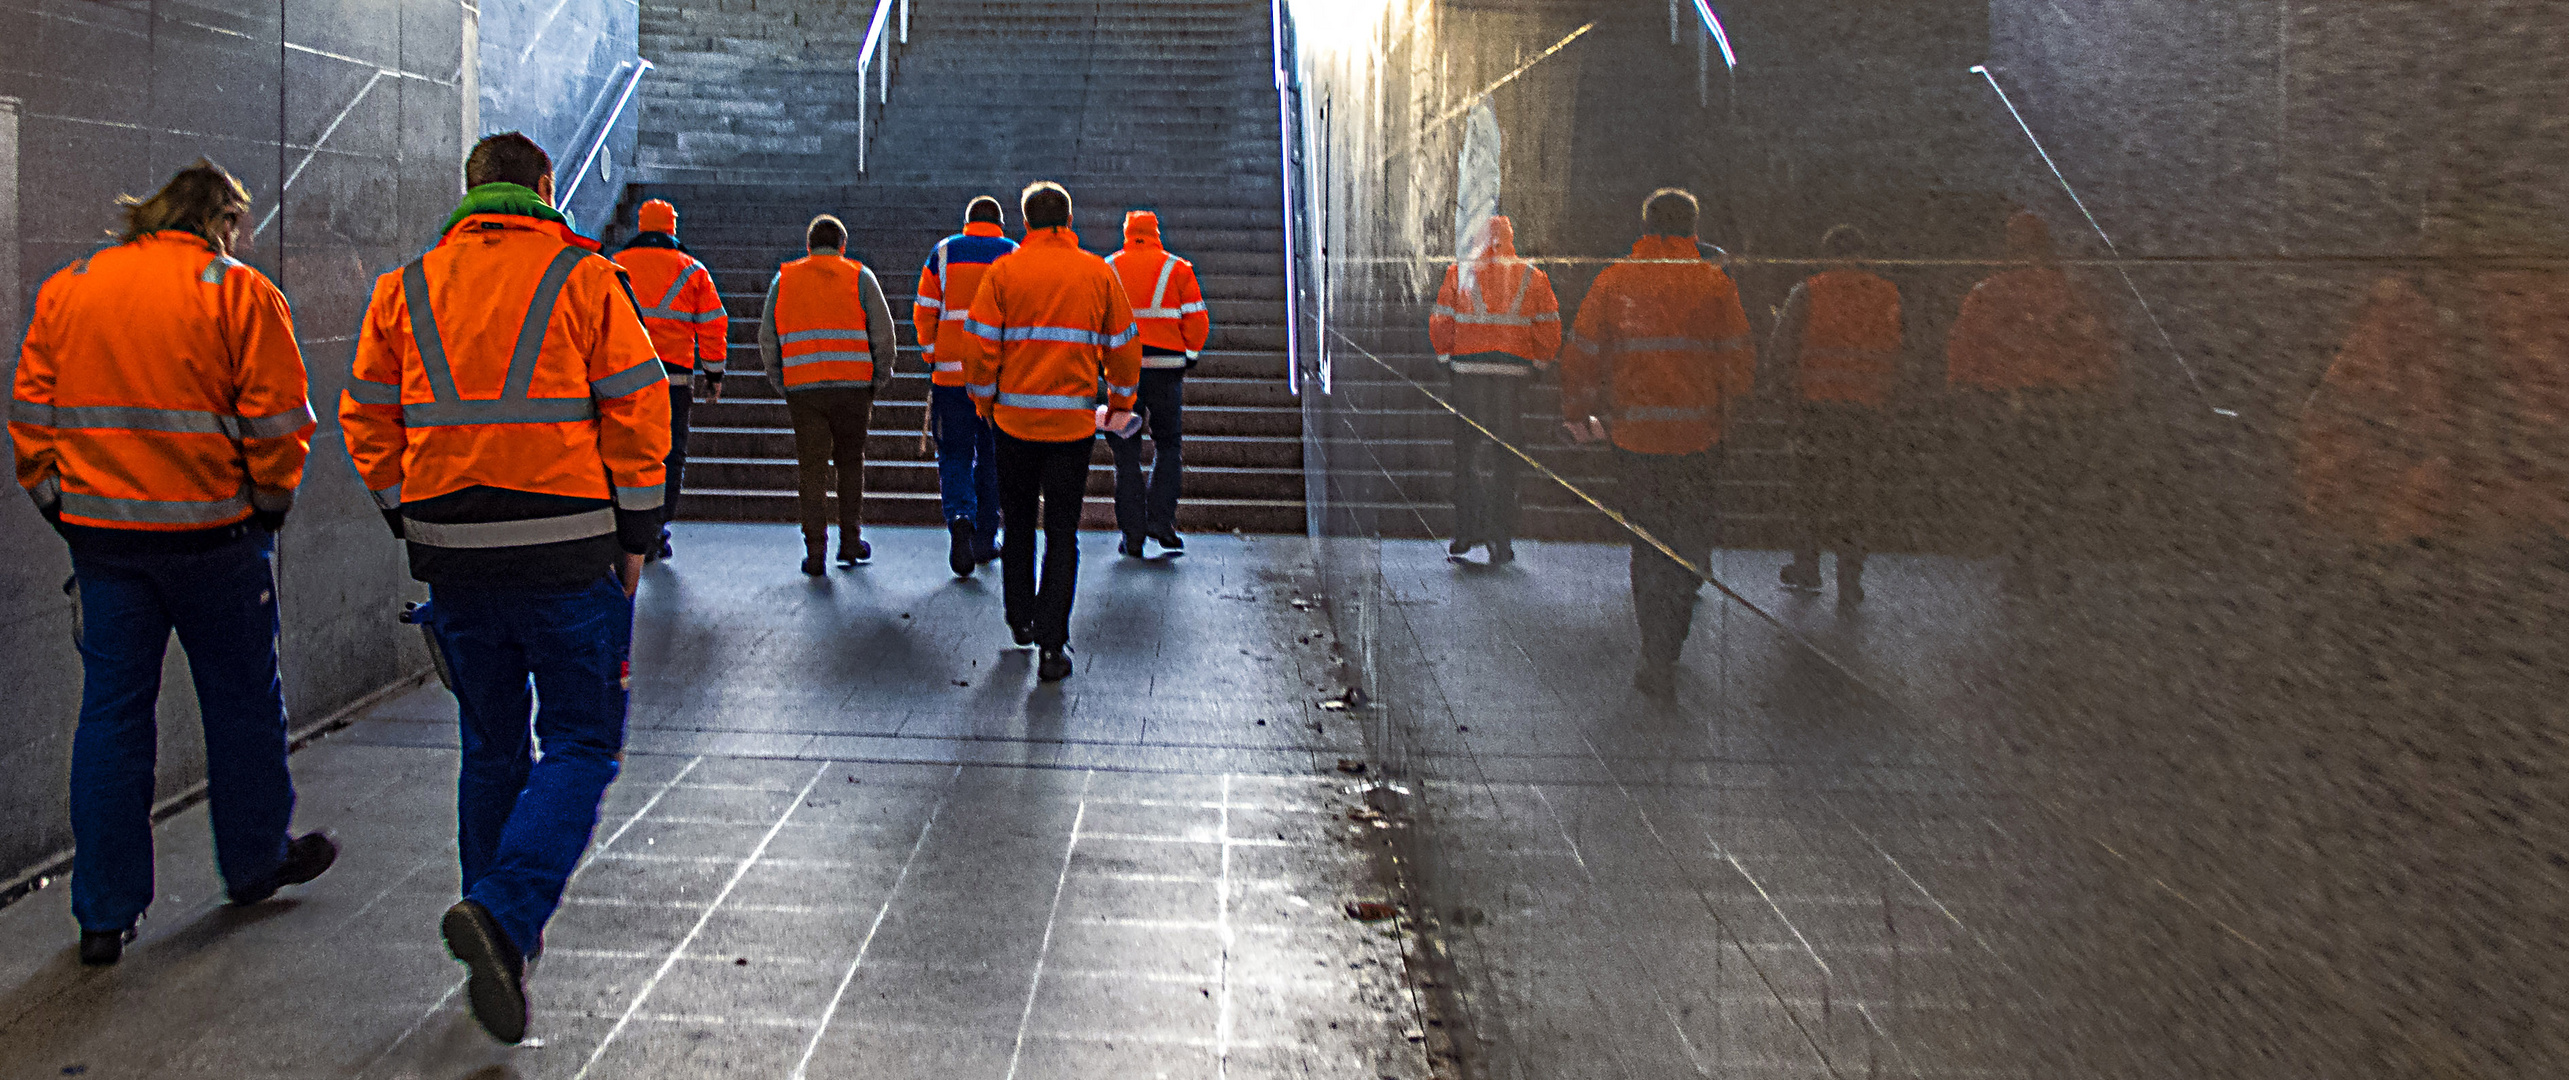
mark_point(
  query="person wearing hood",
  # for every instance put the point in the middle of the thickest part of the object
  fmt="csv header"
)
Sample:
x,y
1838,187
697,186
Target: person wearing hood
x,y
508,412
1169,310
688,325
967,454
1495,327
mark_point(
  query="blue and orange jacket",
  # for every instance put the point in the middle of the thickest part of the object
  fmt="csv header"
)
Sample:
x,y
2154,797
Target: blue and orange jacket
x,y
946,286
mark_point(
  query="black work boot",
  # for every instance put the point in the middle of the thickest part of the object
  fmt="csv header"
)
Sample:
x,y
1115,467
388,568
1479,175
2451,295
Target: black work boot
x,y
816,555
959,547
496,987
306,856
99,948
1055,664
1130,546
1168,539
1502,551
852,552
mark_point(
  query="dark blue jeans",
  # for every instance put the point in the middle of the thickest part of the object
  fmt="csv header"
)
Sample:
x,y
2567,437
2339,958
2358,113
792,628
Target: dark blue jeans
x,y
1152,506
523,822
967,464
223,605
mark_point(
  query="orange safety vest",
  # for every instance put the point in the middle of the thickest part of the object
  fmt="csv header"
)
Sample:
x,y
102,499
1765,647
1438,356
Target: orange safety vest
x,y
1048,328
1661,349
530,372
1528,325
1850,345
686,320
946,287
1175,318
2028,329
160,390
821,323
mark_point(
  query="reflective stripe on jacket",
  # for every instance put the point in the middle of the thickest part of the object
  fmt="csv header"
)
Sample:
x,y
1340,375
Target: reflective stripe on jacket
x,y
1526,324
160,389
2028,329
530,372
946,286
1661,350
826,325
1846,338
1174,315
1049,329
680,307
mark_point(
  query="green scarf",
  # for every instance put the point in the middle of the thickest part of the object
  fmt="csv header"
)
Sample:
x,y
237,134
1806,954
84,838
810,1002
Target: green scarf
x,y
505,198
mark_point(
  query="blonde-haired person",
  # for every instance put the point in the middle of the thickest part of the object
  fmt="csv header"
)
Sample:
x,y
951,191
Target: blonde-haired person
x,y
161,427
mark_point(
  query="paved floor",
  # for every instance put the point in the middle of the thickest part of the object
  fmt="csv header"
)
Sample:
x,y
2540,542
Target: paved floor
x,y
2117,822
854,837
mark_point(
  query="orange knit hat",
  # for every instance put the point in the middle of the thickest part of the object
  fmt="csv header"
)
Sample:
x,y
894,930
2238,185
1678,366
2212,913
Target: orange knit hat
x,y
657,216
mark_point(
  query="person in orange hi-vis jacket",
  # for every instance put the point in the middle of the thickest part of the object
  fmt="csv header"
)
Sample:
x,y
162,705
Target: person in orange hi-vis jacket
x,y
967,456
1658,360
161,427
1836,355
509,412
1175,324
2031,366
1496,326
2374,456
828,341
685,316
1050,329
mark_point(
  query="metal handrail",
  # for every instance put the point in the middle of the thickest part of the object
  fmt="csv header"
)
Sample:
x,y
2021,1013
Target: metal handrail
x,y
1285,128
877,44
598,142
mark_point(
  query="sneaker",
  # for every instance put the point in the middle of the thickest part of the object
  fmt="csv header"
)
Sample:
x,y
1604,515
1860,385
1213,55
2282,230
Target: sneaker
x,y
665,550
959,547
99,948
1502,552
1655,680
1130,546
306,856
852,552
1055,665
1168,539
496,987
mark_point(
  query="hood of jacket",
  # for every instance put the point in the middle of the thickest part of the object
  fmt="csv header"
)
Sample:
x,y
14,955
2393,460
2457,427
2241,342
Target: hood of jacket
x,y
1142,229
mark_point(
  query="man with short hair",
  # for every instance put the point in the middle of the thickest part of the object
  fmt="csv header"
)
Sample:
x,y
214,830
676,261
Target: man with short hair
x,y
688,325
1049,325
967,465
828,342
509,413
1659,358
1836,350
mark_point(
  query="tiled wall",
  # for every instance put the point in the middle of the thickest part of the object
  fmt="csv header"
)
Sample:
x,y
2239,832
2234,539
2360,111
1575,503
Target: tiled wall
x,y
358,110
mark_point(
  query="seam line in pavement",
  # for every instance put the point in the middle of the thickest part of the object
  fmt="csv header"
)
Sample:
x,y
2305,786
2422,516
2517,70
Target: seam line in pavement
x,y
830,1011
1052,919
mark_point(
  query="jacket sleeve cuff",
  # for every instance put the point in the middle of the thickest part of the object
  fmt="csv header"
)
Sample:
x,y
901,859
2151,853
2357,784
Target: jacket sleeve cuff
x,y
637,532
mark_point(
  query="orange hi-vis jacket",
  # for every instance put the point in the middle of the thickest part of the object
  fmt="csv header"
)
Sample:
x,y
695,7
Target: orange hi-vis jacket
x,y
1049,325
2028,329
1175,317
946,287
1848,350
509,356
821,325
682,310
1525,323
160,389
1661,350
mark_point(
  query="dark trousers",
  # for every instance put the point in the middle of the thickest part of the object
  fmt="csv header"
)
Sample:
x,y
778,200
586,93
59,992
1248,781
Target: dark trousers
x,y
682,401
1151,506
1840,468
223,605
1670,496
1487,476
829,431
1041,482
522,822
967,463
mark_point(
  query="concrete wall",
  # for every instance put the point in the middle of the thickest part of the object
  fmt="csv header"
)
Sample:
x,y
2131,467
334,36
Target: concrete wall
x,y
554,69
357,110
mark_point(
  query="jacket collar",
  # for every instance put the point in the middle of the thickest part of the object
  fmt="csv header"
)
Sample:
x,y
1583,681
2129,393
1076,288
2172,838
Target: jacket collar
x,y
554,229
660,240
1667,247
983,228
1056,236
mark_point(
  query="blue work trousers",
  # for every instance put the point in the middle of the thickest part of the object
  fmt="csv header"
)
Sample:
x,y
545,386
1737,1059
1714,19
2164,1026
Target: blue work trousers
x,y
523,821
1147,506
223,605
967,464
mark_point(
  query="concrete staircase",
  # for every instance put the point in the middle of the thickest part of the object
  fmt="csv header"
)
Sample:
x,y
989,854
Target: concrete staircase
x,y
1159,103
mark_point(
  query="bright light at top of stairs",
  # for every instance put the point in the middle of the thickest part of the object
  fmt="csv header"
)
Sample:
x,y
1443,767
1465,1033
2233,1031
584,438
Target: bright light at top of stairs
x,y
1335,26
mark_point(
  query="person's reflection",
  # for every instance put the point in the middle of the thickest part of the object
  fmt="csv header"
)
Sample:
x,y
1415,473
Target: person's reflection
x,y
1659,356
1495,327
1836,352
2374,455
2033,372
